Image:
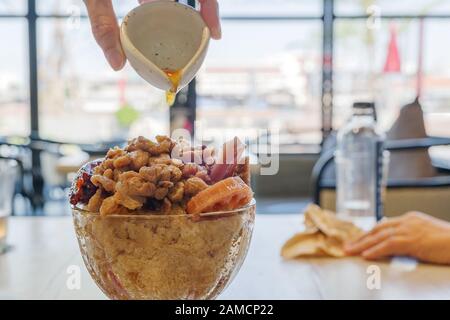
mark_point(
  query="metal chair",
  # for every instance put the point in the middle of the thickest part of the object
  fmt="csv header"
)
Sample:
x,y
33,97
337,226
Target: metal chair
x,y
28,152
438,186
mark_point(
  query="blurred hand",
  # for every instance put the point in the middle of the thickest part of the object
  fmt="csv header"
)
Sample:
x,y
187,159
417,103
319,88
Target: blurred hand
x,y
414,234
106,29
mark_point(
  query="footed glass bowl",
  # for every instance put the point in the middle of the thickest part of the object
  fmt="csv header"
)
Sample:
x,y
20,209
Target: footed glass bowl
x,y
150,256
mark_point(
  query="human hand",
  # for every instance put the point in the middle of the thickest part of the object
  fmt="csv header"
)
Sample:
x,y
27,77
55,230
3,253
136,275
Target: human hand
x,y
106,29
414,234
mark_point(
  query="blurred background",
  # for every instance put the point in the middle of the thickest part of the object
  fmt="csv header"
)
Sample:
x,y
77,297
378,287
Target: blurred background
x,y
294,64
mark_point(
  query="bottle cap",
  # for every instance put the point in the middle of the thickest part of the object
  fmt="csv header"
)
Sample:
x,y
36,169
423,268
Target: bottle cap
x,y
365,108
364,105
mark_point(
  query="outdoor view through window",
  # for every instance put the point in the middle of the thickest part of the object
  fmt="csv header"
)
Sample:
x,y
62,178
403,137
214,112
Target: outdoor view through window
x,y
263,73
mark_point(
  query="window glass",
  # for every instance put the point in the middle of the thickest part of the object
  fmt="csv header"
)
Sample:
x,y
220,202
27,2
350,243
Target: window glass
x,y
271,7
436,77
386,7
13,7
82,99
359,67
263,75
227,7
381,64
69,7
14,106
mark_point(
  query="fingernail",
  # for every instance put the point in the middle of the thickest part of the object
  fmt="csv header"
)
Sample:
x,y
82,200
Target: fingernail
x,y
216,33
115,58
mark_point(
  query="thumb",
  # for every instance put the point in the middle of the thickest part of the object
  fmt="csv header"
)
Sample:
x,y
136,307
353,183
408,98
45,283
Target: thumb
x,y
106,31
209,9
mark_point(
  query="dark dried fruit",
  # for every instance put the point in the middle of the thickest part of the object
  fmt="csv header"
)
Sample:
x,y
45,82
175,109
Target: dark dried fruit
x,y
82,188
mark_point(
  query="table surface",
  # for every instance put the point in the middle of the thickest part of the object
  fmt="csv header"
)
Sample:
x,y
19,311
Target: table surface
x,y
43,249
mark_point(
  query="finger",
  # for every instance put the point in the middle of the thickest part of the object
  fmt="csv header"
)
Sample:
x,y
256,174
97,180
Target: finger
x,y
209,10
387,223
106,31
389,247
357,239
368,242
382,225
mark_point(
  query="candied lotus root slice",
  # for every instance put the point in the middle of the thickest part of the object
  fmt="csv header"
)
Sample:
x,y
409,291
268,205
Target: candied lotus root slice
x,y
82,189
227,194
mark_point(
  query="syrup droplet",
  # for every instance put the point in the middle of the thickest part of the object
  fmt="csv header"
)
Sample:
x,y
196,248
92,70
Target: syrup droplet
x,y
174,77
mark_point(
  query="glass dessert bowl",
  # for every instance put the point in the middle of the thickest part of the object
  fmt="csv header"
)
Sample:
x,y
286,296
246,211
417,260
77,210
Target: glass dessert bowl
x,y
164,256
152,223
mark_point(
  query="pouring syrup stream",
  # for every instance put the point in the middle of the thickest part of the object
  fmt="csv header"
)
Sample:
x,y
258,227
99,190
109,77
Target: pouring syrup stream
x,y
174,77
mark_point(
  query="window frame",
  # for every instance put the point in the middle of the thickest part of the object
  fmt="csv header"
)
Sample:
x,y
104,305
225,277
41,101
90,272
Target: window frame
x,y
328,17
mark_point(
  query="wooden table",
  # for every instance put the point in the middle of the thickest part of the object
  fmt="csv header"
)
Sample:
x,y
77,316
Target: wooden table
x,y
43,248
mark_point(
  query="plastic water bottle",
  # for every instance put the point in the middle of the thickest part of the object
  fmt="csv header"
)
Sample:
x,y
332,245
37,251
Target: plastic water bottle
x,y
359,164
